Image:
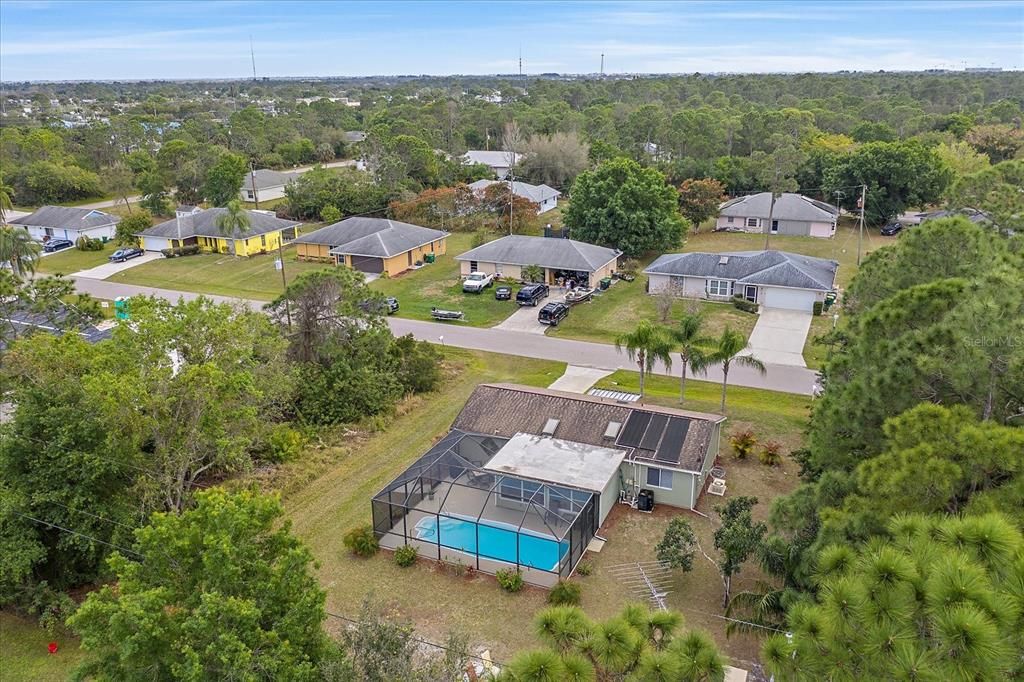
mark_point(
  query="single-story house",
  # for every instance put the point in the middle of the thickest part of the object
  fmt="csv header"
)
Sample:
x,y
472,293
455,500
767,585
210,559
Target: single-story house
x,y
353,136
774,279
264,185
68,222
265,232
526,477
499,161
372,245
564,259
793,214
545,197
22,321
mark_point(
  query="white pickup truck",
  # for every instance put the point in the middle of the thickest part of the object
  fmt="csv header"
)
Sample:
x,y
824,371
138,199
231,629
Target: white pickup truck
x,y
476,282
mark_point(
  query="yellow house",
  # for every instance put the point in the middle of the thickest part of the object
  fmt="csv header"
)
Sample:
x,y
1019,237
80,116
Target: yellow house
x,y
372,245
197,227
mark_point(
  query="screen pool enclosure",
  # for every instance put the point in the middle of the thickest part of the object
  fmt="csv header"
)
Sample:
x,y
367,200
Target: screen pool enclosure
x,y
451,508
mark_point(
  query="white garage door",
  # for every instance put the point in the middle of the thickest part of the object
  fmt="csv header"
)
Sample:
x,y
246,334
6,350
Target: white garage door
x,y
789,299
154,243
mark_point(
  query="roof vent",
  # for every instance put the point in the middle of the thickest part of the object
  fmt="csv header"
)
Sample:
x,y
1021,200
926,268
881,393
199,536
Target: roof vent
x,y
549,427
723,260
613,429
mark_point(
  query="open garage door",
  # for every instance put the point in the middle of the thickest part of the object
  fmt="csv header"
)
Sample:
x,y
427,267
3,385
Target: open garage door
x,y
368,264
789,299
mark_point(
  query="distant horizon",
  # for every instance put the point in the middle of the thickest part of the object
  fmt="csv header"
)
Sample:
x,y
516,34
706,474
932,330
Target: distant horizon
x,y
53,41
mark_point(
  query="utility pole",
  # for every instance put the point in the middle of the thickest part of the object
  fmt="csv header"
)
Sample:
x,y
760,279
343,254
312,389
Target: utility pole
x,y
284,280
602,65
771,212
252,182
860,236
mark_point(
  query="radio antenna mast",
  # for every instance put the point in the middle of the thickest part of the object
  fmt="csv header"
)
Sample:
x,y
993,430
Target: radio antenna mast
x,y
252,53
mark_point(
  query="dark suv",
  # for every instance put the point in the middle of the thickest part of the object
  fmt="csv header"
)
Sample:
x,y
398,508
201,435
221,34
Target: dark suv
x,y
531,294
553,313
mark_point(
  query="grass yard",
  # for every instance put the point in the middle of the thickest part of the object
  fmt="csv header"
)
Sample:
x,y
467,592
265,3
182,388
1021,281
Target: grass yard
x,y
619,309
72,260
24,656
816,354
439,285
329,490
219,274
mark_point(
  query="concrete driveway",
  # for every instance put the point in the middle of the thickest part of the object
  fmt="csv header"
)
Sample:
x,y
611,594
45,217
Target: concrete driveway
x,y
578,379
109,269
778,337
523,320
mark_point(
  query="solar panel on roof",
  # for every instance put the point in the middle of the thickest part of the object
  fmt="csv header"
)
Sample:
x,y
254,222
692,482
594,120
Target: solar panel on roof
x,y
672,443
634,430
653,434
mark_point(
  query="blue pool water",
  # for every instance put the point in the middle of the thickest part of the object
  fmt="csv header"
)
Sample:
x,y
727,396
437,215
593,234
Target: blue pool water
x,y
497,541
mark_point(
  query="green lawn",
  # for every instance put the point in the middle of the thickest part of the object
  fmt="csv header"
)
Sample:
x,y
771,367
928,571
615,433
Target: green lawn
x,y
219,274
72,260
816,354
619,309
439,285
24,654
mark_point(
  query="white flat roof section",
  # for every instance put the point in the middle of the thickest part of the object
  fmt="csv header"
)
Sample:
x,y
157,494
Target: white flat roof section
x,y
561,462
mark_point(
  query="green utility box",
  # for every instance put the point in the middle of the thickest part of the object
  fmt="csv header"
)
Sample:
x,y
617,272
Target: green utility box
x,y
121,308
605,283
428,258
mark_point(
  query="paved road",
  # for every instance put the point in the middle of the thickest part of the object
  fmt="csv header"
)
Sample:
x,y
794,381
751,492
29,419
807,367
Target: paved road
x,y
582,353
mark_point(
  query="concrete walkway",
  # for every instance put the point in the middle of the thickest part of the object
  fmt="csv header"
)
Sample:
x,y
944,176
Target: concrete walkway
x,y
787,379
108,269
778,337
578,379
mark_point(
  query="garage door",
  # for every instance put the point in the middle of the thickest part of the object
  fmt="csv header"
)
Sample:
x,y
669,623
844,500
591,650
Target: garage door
x,y
154,243
789,299
368,264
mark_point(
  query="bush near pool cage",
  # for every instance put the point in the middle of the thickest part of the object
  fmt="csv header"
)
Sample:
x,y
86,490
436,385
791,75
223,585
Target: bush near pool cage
x,y
406,555
361,541
565,593
510,579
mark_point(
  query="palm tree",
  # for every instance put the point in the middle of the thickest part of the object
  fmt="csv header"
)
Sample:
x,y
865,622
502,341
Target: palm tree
x,y
645,345
19,249
6,201
727,349
233,221
690,345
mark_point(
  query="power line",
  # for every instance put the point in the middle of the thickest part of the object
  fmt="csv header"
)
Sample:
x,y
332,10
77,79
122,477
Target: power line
x,y
50,524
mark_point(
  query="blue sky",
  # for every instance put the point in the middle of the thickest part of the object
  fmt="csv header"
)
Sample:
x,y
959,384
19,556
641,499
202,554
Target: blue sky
x,y
130,40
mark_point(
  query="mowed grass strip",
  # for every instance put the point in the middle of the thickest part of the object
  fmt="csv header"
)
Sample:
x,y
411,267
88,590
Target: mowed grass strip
x,y
70,261
220,274
24,654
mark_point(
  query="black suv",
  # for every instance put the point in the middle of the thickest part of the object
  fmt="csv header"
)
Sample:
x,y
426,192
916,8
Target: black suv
x,y
531,294
380,306
892,229
553,313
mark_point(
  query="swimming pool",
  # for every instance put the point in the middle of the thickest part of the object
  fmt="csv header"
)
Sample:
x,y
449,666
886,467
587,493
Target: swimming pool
x,y
497,541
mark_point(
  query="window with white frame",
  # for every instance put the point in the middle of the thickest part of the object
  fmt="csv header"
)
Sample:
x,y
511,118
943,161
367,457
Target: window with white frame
x,y
751,222
719,287
517,490
659,478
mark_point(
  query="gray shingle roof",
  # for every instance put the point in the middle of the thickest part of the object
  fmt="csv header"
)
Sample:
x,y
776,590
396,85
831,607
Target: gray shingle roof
x,y
547,252
538,194
377,237
67,218
766,268
24,321
507,409
498,159
266,178
204,224
787,207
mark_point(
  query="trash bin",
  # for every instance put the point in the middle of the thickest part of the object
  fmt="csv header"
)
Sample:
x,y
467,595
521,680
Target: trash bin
x,y
429,257
605,283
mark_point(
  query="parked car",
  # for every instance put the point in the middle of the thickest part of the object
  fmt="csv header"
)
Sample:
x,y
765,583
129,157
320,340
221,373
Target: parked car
x,y
553,313
121,255
57,245
892,229
476,282
531,294
387,306
503,293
